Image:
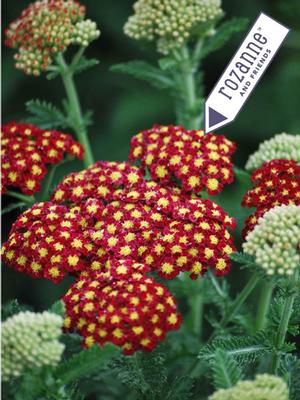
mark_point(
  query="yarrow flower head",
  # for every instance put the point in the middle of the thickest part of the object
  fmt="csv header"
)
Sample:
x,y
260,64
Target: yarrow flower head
x,y
200,162
263,387
29,342
170,23
45,28
162,227
121,305
275,240
27,149
276,182
281,146
48,241
109,212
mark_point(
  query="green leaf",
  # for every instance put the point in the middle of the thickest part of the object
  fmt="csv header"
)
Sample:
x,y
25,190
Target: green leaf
x,y
58,308
167,63
13,206
145,71
290,370
31,387
242,176
223,34
45,115
245,350
11,308
180,388
226,372
243,258
144,373
84,64
85,363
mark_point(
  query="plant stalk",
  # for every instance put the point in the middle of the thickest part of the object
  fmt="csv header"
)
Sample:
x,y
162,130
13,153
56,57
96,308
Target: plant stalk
x,y
48,181
238,302
264,304
189,90
27,199
76,113
241,298
284,321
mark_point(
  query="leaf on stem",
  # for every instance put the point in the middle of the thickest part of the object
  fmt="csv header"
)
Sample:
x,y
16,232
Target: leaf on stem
x,y
11,308
223,34
244,350
14,206
226,372
85,63
290,370
45,114
242,176
144,373
85,363
145,71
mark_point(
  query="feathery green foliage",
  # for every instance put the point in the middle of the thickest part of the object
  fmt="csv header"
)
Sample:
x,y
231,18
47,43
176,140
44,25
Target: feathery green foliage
x,y
226,371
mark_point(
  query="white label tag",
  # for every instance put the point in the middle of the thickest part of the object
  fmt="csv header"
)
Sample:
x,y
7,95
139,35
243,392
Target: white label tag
x,y
243,72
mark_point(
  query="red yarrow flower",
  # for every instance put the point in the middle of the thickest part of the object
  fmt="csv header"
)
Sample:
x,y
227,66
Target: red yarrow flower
x,y
162,227
121,305
276,183
26,151
48,241
198,161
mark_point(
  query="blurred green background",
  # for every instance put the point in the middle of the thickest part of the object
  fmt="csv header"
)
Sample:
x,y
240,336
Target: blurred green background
x,y
123,106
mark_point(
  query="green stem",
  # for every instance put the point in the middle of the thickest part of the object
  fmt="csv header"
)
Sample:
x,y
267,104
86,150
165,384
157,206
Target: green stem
x,y
264,304
27,199
48,181
197,310
284,321
76,113
238,302
12,207
189,90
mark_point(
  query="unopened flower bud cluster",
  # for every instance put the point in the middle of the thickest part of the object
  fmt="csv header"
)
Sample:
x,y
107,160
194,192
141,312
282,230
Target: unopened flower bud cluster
x,y
275,240
170,22
29,342
46,28
264,387
281,146
85,32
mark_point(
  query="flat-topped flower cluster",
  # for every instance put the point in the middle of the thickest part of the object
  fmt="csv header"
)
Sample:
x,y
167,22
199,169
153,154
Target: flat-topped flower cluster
x,y
170,23
25,152
198,161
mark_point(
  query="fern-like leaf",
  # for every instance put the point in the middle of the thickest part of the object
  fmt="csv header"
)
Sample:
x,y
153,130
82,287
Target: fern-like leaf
x,y
45,115
223,34
244,350
226,372
145,71
180,389
84,64
290,370
144,373
11,308
85,363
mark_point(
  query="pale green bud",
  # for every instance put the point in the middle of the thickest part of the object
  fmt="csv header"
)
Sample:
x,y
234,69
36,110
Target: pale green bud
x,y
29,342
264,387
275,240
85,32
281,146
170,22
